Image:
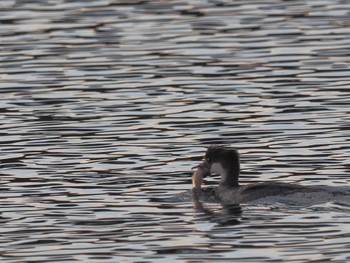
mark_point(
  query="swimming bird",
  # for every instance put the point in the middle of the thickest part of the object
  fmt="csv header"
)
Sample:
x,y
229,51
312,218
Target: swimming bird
x,y
226,163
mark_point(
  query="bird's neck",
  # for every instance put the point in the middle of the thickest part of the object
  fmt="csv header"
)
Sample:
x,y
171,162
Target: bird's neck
x,y
230,176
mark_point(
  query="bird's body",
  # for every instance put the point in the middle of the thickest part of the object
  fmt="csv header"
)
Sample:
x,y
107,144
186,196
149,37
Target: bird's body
x,y
226,163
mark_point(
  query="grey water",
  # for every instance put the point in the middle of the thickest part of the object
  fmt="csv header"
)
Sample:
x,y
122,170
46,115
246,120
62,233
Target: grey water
x,y
106,105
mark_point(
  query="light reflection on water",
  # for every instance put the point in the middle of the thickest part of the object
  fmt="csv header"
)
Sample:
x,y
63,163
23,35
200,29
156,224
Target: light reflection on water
x,y
106,106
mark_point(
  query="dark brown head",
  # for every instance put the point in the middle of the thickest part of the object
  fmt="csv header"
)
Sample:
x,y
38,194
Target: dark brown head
x,y
223,161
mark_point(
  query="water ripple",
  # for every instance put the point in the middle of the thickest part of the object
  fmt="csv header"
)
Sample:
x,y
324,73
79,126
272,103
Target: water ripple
x,y
106,105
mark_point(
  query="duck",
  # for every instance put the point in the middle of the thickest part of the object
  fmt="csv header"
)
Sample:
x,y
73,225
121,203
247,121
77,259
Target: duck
x,y
225,161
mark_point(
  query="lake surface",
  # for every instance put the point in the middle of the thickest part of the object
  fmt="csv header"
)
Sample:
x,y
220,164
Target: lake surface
x,y
107,105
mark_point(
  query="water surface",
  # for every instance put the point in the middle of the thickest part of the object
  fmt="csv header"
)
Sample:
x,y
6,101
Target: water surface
x,y
106,106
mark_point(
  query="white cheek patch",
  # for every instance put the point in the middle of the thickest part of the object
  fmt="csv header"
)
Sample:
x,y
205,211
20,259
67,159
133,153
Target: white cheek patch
x,y
218,169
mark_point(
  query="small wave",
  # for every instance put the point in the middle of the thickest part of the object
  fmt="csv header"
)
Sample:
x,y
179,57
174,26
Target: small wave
x,y
305,199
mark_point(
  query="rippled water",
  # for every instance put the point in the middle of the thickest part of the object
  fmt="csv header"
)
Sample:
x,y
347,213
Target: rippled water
x,y
106,105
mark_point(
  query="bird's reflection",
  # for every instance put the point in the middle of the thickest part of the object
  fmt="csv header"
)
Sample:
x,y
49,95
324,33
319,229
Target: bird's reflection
x,y
229,214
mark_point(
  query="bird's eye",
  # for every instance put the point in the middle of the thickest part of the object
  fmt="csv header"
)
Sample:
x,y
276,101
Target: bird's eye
x,y
208,159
